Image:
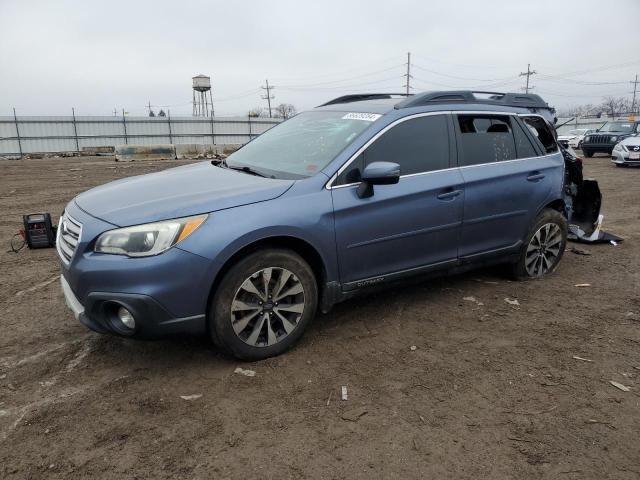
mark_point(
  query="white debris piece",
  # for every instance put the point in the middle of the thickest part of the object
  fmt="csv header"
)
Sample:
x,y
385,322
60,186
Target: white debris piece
x,y
345,396
512,302
582,285
191,397
413,348
246,373
575,357
620,386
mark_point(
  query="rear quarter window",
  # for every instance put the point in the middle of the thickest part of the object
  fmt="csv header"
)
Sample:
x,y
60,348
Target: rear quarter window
x,y
542,133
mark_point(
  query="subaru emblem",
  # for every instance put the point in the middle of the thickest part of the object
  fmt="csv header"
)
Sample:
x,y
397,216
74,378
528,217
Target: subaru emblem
x,y
636,148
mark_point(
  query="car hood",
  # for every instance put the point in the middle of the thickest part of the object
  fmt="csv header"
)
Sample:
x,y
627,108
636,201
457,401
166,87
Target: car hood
x,y
632,140
567,137
613,134
177,192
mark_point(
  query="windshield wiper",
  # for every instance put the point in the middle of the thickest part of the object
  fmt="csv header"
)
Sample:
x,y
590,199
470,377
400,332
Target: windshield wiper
x,y
248,170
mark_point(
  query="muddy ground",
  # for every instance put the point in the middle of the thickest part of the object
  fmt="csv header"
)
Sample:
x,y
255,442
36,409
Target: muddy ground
x,y
492,390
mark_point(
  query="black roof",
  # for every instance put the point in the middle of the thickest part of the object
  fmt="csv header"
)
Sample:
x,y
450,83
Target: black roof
x,y
522,100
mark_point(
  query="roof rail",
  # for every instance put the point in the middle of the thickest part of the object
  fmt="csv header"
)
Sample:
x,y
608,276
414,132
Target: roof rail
x,y
360,97
528,100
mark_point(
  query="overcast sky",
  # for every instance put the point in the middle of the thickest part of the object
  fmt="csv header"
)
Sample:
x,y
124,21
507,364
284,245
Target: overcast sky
x,y
98,56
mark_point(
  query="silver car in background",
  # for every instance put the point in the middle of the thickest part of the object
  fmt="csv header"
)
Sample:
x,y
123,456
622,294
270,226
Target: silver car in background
x,y
627,152
573,138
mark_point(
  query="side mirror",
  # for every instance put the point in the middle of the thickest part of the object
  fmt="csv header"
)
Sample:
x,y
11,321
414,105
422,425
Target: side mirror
x,y
378,173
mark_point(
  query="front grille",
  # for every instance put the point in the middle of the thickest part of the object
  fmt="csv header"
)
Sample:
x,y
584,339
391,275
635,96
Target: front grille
x,y
600,139
69,232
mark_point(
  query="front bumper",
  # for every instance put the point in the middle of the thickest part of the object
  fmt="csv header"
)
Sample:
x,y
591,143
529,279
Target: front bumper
x,y
167,293
152,320
597,147
623,158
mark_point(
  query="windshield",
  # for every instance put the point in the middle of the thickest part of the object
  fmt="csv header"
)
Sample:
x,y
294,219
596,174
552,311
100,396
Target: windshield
x,y
617,127
303,145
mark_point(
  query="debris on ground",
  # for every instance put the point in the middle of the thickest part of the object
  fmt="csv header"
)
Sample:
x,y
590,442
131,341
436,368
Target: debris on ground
x,y
413,348
473,299
580,251
512,301
246,373
581,359
582,285
345,396
620,386
354,414
191,397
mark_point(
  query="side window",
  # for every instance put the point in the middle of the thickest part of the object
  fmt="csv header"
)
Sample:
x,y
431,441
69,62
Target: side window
x,y
524,148
542,133
417,145
485,139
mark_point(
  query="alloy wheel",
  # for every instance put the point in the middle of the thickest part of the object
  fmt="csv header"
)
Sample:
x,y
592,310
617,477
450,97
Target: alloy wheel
x,y
543,250
267,307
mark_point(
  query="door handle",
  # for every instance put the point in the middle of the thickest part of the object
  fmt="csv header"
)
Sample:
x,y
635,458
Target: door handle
x,y
449,194
535,176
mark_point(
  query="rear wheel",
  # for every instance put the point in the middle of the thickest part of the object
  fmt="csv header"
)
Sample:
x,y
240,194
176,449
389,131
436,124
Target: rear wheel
x,y
263,304
543,247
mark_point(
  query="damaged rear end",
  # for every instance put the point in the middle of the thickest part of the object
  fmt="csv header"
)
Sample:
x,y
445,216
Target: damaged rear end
x,y
583,202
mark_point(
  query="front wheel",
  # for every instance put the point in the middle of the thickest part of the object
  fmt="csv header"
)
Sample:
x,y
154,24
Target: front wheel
x,y
543,247
587,153
263,304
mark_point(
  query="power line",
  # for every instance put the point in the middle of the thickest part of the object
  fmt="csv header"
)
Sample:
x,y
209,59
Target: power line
x,y
268,97
528,74
463,78
344,79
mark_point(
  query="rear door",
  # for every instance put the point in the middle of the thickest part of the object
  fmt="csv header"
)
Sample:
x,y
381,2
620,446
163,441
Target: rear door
x,y
407,226
506,180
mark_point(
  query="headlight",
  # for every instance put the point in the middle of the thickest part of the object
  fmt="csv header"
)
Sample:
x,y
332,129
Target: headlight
x,y
148,239
618,146
587,139
613,139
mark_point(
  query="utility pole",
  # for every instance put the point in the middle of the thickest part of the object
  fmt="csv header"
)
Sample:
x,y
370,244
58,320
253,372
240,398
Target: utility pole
x,y
268,97
149,107
408,74
528,74
115,112
635,88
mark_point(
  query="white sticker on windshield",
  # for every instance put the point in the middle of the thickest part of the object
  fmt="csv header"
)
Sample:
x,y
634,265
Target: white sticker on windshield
x,y
367,117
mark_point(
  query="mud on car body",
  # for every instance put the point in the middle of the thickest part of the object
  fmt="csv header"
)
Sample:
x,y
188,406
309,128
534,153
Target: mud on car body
x,y
361,191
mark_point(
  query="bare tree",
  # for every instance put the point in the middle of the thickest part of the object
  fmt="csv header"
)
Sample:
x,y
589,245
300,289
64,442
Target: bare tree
x,y
285,110
614,106
257,112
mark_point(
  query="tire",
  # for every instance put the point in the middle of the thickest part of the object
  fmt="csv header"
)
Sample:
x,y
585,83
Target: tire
x,y
620,165
266,326
587,153
538,256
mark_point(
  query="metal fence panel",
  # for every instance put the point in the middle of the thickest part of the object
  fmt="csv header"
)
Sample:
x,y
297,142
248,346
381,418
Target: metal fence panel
x,y
68,133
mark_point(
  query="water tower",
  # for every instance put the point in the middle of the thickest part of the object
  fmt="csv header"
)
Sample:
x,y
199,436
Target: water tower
x,y
202,105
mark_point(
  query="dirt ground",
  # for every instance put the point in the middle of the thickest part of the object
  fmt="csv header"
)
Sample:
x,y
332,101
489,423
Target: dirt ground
x,y
492,390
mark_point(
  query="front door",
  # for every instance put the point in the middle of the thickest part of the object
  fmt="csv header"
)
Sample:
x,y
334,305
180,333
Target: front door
x,y
407,226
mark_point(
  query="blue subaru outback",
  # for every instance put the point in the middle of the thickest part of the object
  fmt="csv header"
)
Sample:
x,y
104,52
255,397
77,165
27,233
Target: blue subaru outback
x,y
361,191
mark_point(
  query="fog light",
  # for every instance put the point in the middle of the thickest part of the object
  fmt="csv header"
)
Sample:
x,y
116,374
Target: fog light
x,y
126,318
